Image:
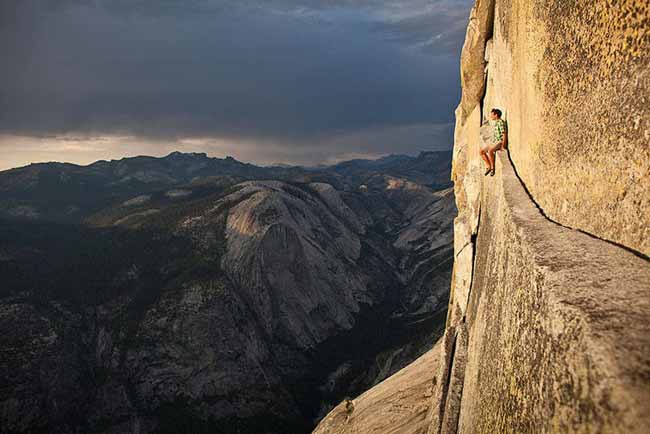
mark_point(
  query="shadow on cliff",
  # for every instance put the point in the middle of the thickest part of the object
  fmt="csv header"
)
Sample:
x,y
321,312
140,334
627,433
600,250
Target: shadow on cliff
x,y
87,270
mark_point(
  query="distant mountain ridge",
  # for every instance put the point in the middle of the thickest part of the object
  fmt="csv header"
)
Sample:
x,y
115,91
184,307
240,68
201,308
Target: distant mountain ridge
x,y
68,192
424,168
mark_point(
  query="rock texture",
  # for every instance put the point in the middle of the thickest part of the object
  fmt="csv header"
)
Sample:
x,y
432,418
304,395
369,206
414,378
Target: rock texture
x,y
548,326
547,329
397,405
557,324
575,85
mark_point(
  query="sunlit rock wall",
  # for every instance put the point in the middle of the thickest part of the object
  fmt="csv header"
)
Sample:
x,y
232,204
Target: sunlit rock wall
x,y
573,78
549,319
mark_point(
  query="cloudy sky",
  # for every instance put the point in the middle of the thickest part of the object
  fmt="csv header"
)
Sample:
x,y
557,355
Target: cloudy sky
x,y
295,81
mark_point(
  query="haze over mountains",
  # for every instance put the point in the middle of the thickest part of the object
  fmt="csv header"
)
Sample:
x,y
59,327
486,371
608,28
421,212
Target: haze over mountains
x,y
197,294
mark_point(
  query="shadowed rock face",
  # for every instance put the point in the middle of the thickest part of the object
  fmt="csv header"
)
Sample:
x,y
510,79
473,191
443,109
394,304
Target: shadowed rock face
x,y
248,307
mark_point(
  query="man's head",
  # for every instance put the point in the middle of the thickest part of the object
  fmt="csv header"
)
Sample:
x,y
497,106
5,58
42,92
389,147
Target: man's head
x,y
495,114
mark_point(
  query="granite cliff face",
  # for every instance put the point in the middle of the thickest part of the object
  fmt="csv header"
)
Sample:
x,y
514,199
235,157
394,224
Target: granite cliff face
x,y
398,404
548,327
196,299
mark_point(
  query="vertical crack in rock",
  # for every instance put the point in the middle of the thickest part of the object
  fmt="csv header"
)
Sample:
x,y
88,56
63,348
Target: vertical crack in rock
x,y
436,412
455,383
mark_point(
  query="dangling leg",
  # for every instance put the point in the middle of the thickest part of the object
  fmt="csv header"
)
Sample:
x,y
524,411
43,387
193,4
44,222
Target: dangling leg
x,y
485,158
491,153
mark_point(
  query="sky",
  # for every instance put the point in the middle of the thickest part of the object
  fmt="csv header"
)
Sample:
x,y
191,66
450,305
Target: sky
x,y
264,81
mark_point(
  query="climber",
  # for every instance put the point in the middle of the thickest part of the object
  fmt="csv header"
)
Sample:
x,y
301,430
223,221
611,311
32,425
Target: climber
x,y
349,408
499,140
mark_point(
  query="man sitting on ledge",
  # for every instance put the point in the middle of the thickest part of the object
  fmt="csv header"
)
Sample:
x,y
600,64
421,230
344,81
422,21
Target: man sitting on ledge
x,y
499,140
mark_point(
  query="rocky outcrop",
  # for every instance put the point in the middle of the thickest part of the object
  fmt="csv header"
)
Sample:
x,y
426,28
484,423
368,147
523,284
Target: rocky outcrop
x,y
575,85
548,321
547,329
553,335
397,405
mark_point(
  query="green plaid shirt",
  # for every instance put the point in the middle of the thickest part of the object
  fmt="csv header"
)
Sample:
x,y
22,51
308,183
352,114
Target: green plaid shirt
x,y
500,128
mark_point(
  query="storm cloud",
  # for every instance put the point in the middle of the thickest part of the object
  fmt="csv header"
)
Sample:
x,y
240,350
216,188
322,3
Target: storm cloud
x,y
273,80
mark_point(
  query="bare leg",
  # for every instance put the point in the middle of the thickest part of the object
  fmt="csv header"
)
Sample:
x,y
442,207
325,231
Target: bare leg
x,y
491,153
485,158
492,150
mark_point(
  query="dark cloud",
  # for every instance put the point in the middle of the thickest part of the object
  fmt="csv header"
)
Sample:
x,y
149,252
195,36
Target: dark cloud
x,y
295,74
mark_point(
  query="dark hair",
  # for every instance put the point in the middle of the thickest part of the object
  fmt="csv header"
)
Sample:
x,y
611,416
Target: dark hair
x,y
496,112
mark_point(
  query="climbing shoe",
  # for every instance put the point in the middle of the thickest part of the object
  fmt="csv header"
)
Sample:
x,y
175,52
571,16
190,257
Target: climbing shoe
x,y
487,171
492,172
